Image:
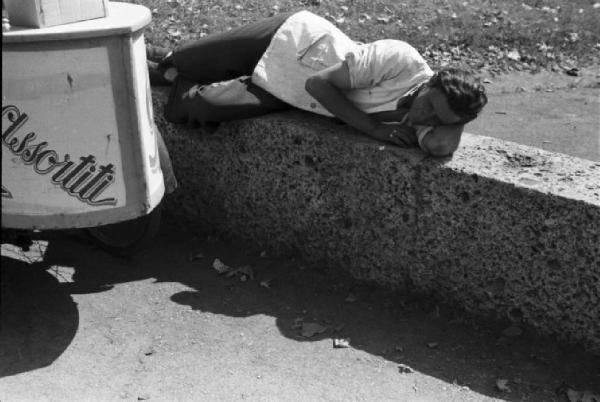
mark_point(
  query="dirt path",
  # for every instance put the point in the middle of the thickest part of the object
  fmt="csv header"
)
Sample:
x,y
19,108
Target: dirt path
x,y
79,324
555,112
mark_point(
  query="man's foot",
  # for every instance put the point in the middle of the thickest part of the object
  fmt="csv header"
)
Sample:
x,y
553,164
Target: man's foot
x,y
157,75
160,66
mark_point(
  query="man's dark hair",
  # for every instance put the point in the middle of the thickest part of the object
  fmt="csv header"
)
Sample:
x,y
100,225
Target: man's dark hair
x,y
466,96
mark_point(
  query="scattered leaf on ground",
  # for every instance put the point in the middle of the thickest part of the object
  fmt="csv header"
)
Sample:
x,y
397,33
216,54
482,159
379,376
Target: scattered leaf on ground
x,y
310,329
432,345
341,342
404,369
244,273
585,396
266,283
502,385
220,267
351,298
174,33
572,37
196,256
514,55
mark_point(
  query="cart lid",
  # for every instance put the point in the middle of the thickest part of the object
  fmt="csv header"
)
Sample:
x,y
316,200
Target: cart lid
x,y
123,18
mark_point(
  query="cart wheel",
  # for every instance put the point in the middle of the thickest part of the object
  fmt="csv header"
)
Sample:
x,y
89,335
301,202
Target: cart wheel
x,y
129,237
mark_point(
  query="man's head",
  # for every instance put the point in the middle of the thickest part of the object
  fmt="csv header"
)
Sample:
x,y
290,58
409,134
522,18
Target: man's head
x,y
452,96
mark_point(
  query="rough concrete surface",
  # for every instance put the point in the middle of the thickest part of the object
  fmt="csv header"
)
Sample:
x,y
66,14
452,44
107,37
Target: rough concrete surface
x,y
500,228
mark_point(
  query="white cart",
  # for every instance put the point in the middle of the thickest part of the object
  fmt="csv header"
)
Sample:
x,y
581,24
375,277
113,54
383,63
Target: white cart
x,y
79,146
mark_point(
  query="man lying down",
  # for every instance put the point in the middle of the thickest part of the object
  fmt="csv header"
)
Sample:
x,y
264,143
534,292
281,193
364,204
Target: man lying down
x,y
385,89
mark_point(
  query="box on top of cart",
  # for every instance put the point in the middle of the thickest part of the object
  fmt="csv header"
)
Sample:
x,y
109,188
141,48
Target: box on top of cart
x,y
46,13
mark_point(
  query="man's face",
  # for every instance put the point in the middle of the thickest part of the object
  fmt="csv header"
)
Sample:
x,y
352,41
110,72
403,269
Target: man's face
x,y
430,108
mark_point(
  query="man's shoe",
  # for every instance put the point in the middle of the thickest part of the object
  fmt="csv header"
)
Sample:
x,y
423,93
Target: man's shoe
x,y
157,75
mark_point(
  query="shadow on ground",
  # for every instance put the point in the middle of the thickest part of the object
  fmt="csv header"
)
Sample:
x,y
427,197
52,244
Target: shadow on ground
x,y
40,318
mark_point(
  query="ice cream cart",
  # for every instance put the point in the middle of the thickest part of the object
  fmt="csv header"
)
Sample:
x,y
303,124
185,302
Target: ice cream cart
x,y
79,145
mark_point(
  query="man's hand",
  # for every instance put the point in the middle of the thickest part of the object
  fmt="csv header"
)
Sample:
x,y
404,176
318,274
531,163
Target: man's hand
x,y
326,87
442,140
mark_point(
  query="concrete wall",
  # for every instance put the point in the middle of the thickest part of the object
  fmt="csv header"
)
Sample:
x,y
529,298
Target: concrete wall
x,y
499,228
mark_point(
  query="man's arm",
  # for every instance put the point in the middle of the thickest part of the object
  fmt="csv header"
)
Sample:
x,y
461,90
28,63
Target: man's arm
x,y
442,140
327,87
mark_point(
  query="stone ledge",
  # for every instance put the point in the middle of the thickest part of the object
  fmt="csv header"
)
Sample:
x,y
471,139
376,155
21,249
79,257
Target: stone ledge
x,y
499,228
